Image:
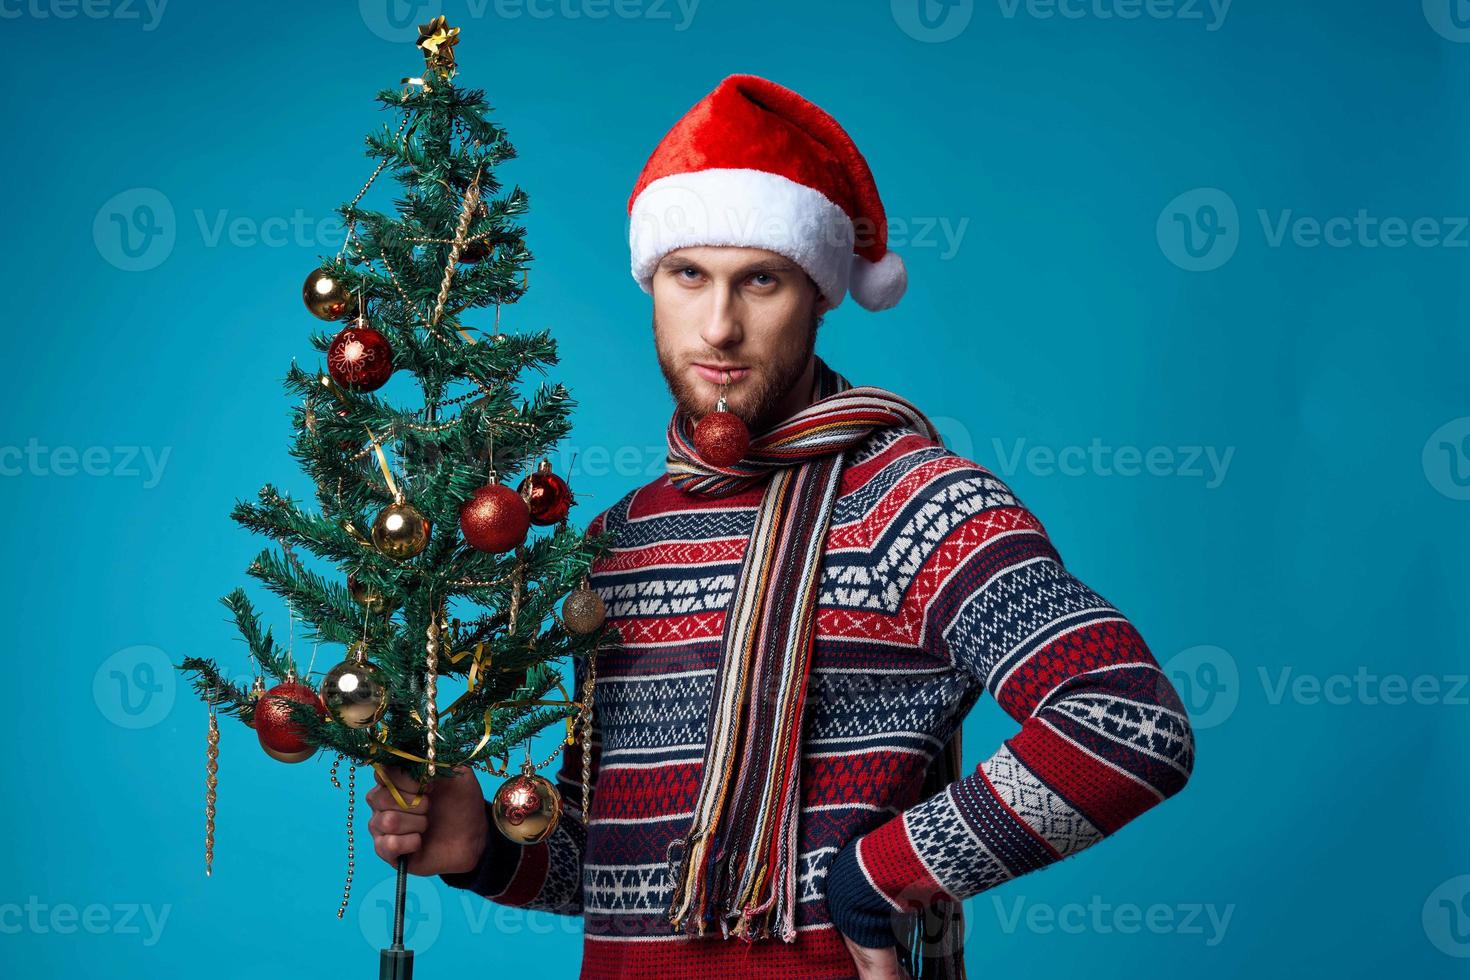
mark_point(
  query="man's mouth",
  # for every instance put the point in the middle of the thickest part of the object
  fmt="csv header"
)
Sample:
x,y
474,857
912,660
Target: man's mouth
x,y
716,374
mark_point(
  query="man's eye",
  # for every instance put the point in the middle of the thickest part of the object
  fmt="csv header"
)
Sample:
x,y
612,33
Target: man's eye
x,y
770,279
688,269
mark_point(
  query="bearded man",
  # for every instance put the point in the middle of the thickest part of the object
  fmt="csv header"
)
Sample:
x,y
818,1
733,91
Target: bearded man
x,y
803,622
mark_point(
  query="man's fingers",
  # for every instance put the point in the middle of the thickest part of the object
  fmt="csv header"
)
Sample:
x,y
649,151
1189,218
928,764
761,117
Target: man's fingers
x,y
397,828
390,847
876,964
381,798
407,785
392,822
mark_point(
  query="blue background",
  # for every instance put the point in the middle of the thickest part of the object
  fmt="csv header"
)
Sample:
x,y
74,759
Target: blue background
x,y
1092,286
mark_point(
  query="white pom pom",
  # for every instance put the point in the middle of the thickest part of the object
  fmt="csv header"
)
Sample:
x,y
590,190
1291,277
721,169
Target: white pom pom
x,y
878,285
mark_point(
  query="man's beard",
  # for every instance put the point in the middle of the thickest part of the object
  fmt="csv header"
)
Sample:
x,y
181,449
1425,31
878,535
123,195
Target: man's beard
x,y
757,398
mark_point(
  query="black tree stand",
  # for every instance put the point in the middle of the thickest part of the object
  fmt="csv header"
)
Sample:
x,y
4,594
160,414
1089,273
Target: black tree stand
x,y
395,962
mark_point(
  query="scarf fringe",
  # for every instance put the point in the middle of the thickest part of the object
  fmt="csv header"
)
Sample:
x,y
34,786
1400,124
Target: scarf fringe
x,y
739,857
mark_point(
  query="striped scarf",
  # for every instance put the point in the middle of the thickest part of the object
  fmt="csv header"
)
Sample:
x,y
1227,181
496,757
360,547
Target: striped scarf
x,y
739,857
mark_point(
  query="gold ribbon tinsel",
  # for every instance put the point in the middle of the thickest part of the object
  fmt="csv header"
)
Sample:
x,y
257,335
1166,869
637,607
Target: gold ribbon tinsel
x,y
437,40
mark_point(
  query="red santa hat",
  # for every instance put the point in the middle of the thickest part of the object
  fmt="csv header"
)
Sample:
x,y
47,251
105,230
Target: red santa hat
x,y
754,164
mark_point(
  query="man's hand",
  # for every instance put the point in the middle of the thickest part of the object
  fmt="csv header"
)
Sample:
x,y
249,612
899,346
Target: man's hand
x,y
445,833
876,964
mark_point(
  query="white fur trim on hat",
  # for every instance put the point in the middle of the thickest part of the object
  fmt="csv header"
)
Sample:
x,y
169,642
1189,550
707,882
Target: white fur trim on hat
x,y
878,285
750,208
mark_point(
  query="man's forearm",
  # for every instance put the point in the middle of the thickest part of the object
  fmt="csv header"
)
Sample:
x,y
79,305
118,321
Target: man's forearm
x,y
544,876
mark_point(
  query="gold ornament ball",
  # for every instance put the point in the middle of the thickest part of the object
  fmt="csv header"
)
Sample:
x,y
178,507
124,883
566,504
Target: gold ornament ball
x,y
325,296
527,808
400,531
355,691
369,598
583,611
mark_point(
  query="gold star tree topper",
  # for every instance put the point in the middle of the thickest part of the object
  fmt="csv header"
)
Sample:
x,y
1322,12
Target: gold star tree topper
x,y
437,39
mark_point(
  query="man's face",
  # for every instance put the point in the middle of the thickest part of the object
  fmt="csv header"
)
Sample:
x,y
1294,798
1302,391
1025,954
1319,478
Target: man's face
x,y
750,310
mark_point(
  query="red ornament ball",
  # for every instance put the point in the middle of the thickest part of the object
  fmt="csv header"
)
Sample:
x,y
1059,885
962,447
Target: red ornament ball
x,y
475,251
547,496
360,358
495,519
279,734
721,438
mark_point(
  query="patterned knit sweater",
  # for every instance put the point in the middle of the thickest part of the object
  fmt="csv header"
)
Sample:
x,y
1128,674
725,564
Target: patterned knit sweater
x,y
937,585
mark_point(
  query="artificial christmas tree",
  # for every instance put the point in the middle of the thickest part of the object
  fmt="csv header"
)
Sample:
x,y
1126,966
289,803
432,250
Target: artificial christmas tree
x,y
454,581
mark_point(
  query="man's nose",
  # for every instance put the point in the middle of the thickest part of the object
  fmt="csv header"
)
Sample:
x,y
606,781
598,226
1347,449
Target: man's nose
x,y
722,326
